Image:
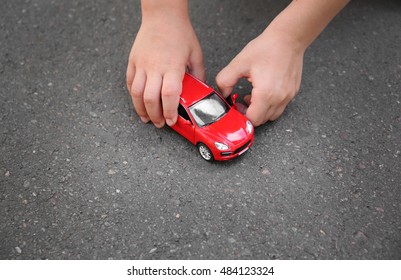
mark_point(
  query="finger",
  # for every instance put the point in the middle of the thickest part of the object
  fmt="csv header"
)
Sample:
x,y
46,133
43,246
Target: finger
x,y
196,66
171,91
130,74
242,108
280,109
277,113
259,110
247,99
256,115
151,99
229,76
137,89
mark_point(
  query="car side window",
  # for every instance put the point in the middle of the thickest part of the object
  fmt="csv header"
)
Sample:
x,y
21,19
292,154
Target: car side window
x,y
183,113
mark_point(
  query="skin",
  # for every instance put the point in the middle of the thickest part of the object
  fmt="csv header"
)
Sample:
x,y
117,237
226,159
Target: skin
x,y
166,46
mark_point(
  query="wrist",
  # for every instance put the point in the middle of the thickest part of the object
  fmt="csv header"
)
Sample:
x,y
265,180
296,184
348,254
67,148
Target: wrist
x,y
303,21
284,37
164,10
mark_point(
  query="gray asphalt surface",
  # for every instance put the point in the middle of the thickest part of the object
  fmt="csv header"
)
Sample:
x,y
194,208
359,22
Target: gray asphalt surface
x,y
82,178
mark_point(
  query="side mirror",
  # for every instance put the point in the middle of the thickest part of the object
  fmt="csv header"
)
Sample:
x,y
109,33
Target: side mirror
x,y
234,99
231,99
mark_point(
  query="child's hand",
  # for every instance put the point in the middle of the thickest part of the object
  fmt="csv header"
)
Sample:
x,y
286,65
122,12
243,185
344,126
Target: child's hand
x,y
272,62
164,47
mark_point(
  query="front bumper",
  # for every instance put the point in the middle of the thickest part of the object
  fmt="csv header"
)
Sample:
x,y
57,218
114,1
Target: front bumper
x,y
236,151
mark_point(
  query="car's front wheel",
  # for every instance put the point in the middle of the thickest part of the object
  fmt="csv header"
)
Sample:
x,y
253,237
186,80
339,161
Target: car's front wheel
x,y
205,152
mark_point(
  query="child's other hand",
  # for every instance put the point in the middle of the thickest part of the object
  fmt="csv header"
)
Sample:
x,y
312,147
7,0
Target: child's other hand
x,y
164,47
272,62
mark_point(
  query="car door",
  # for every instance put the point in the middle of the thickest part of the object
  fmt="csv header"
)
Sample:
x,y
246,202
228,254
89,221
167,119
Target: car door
x,y
184,125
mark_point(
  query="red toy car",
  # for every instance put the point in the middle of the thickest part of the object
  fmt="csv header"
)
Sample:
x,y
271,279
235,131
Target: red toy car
x,y
208,121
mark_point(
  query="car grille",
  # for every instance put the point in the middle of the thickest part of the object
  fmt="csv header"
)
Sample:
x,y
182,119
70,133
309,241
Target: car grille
x,y
242,147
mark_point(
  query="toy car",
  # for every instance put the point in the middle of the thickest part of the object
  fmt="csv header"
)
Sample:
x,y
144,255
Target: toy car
x,y
208,121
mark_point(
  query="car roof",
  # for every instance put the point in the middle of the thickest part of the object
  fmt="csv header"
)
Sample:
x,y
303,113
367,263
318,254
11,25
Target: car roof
x,y
193,90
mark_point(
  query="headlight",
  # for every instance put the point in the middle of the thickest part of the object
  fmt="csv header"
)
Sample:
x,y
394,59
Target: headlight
x,y
249,127
221,146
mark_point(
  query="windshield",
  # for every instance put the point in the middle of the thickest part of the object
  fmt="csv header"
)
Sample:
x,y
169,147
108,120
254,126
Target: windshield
x,y
208,110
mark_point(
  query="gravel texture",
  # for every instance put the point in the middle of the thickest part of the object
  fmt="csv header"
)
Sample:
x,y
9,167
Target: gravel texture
x,y
82,178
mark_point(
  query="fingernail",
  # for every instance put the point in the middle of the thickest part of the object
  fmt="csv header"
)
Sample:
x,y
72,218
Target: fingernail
x,y
145,120
170,122
159,125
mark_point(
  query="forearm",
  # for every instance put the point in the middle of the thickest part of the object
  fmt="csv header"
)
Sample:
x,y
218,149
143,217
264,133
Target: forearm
x,y
304,20
166,9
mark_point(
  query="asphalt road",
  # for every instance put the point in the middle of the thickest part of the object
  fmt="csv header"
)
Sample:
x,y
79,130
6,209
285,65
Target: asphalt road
x,y
82,178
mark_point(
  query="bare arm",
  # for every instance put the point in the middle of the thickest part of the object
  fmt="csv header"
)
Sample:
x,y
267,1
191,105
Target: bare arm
x,y
304,20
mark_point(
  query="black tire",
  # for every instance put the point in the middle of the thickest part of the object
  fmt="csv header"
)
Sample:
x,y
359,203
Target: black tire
x,y
205,152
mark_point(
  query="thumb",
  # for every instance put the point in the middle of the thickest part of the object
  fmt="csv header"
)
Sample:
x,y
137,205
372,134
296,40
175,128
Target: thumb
x,y
229,76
